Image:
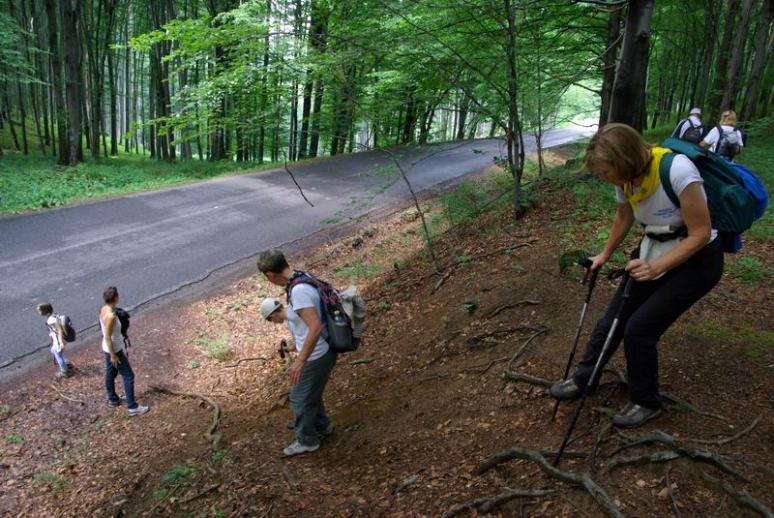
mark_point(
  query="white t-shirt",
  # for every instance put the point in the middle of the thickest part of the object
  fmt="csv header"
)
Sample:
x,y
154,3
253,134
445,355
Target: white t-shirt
x,y
692,120
658,209
305,296
55,343
713,137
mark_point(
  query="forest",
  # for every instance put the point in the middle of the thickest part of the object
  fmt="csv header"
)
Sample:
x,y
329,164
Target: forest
x,y
271,81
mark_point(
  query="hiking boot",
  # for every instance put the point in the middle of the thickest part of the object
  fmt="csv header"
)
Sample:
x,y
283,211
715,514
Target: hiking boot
x,y
291,425
329,430
565,390
138,410
113,403
63,374
296,448
634,415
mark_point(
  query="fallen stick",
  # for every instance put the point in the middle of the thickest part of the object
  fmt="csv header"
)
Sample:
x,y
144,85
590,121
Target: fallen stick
x,y
582,480
212,435
442,280
671,494
200,494
488,504
406,483
518,304
473,340
64,396
363,361
243,360
742,498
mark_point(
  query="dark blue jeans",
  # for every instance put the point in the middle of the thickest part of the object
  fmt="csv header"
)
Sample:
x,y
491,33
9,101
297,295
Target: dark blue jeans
x,y
125,369
651,309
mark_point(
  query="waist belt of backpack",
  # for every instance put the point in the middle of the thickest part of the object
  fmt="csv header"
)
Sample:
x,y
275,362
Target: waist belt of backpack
x,y
668,236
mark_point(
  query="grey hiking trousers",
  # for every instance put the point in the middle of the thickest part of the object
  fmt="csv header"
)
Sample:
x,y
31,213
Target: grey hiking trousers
x,y
306,400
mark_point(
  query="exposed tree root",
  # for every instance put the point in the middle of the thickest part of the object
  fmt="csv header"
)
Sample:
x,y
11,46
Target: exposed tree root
x,y
200,494
442,280
601,436
677,448
510,375
720,442
213,435
363,361
488,504
64,396
482,369
582,480
518,304
742,498
478,338
684,405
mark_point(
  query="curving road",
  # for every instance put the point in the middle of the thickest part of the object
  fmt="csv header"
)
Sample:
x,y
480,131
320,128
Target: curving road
x,y
151,244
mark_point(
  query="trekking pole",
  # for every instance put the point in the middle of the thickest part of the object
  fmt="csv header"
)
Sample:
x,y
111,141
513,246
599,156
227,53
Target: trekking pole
x,y
627,287
591,278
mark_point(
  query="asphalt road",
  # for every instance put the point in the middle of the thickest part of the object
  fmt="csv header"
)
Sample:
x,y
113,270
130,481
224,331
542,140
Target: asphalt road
x,y
150,244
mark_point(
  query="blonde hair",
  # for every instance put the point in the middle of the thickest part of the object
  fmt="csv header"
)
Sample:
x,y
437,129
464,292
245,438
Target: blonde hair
x,y
620,147
728,118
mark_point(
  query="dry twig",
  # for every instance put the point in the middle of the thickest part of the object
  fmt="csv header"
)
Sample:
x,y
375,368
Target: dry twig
x,y
518,304
64,396
742,498
489,504
243,360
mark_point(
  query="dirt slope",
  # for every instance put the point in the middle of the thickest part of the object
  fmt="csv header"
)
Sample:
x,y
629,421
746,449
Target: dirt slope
x,y
417,409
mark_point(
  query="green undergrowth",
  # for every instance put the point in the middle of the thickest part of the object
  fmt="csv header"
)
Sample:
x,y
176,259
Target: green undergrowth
x,y
754,343
36,182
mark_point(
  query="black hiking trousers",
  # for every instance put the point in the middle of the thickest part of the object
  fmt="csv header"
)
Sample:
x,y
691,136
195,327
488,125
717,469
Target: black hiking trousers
x,y
652,307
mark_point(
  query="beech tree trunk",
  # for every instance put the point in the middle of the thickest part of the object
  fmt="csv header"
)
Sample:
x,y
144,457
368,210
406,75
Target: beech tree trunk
x,y
627,101
732,76
764,41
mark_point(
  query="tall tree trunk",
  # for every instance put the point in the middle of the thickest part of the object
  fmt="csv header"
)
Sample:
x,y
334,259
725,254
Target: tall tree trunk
x,y
732,76
462,110
318,98
608,63
113,106
626,105
10,121
764,41
709,39
70,11
721,64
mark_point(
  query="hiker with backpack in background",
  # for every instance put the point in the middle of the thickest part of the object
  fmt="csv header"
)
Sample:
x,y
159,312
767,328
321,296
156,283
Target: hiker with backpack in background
x,y
690,129
60,330
678,261
724,139
114,354
315,359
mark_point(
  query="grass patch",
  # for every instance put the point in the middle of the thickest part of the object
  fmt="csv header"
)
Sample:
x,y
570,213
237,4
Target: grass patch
x,y
758,155
36,182
178,474
50,480
14,438
5,410
359,270
748,269
217,348
193,364
755,343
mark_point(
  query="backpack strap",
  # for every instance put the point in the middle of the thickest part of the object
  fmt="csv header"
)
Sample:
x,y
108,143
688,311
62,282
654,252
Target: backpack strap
x,y
663,169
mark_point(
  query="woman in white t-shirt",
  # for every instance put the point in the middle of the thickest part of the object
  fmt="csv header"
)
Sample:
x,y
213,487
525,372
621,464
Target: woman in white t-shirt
x,y
724,139
679,260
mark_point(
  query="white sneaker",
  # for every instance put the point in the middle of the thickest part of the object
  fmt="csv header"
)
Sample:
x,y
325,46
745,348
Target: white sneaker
x,y
296,448
138,410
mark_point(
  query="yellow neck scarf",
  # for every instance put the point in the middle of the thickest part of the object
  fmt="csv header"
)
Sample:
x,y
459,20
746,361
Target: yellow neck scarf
x,y
649,183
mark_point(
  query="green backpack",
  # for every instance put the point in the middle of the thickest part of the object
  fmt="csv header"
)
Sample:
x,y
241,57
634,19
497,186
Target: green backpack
x,y
731,206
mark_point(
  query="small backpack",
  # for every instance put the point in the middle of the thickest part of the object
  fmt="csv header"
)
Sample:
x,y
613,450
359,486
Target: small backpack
x,y
67,327
728,145
123,317
694,134
735,196
338,330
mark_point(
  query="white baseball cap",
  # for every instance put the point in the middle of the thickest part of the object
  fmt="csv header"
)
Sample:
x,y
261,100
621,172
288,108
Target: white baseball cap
x,y
269,306
695,111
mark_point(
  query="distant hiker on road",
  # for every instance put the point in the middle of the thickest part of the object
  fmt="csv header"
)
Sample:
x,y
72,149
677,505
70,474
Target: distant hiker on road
x,y
56,336
679,260
724,139
314,363
690,129
116,360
